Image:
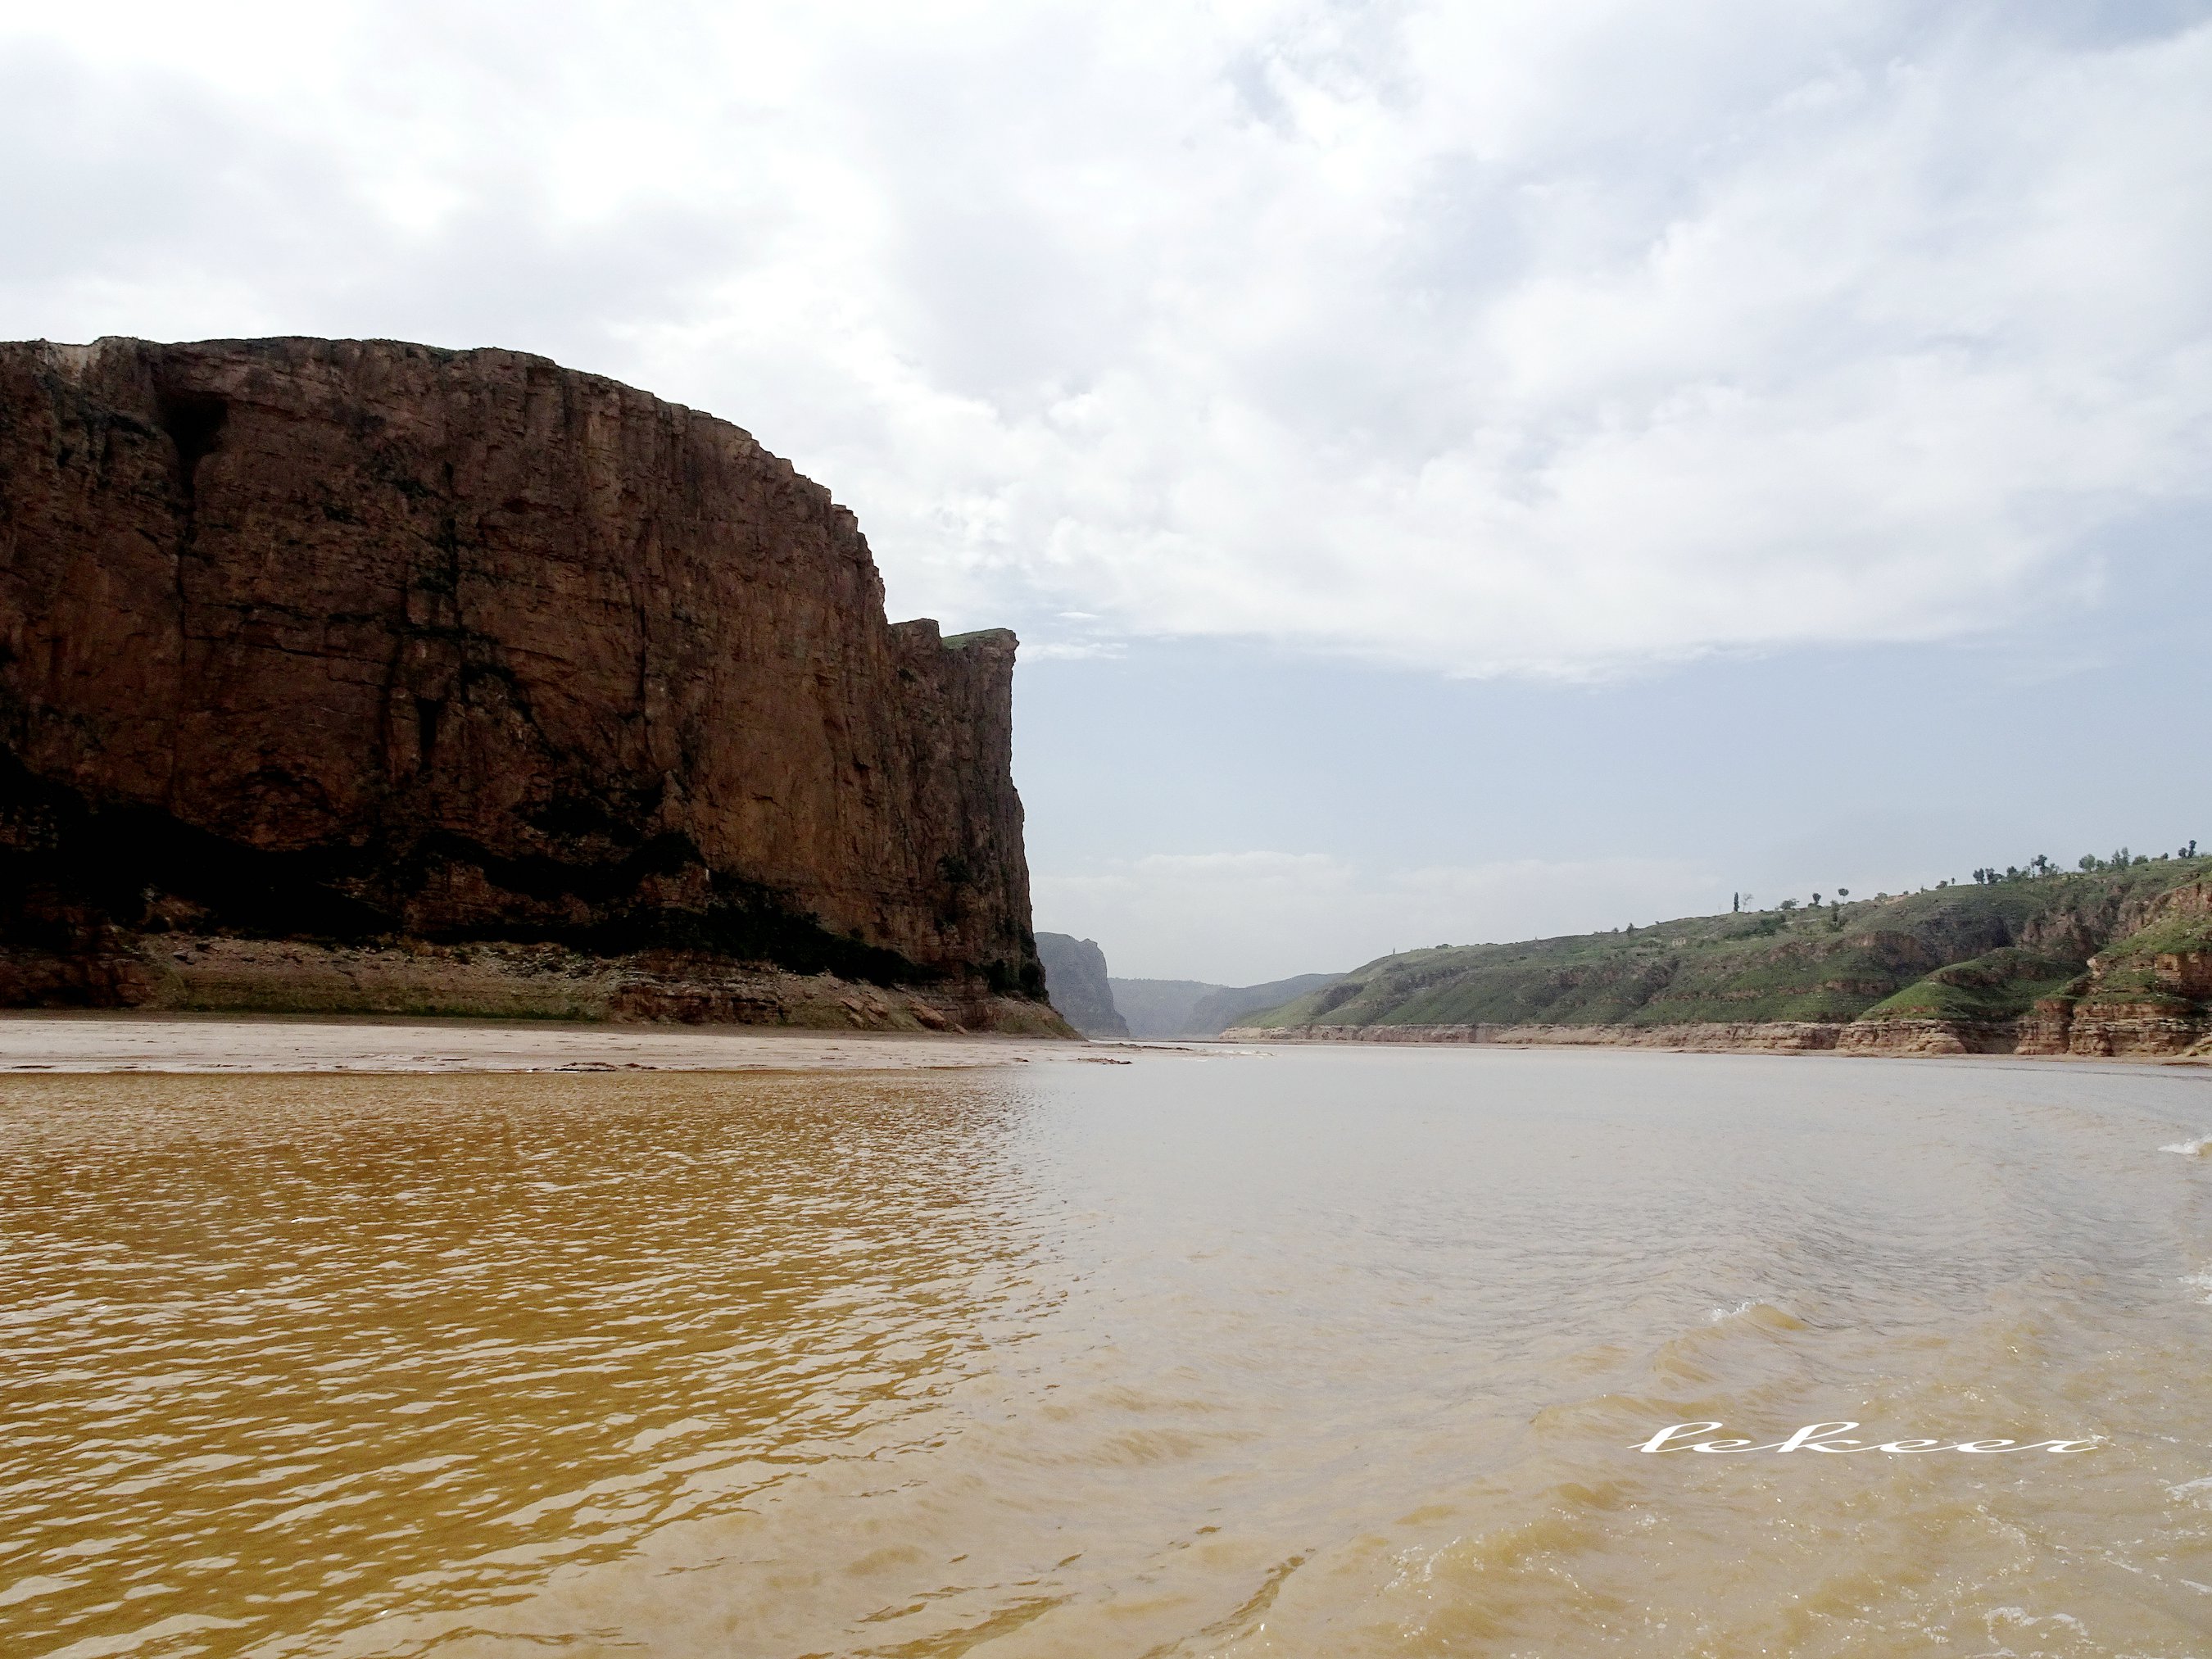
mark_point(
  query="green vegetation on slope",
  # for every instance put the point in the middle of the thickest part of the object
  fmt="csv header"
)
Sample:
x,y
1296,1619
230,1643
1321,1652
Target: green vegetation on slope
x,y
2001,984
1984,951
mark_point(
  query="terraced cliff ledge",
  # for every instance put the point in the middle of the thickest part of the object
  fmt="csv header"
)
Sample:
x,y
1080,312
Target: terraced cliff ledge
x,y
360,675
2116,962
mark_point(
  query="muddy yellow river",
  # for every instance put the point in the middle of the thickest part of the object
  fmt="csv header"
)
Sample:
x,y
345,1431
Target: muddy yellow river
x,y
1315,1353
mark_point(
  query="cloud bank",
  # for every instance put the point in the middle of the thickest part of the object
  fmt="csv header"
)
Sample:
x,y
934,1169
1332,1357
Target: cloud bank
x,y
1521,338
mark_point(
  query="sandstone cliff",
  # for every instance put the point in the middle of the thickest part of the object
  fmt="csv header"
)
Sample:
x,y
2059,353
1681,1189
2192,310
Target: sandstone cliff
x,y
358,641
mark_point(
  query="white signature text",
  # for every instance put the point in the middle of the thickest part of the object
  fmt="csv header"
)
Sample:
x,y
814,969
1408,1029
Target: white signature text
x,y
1827,1437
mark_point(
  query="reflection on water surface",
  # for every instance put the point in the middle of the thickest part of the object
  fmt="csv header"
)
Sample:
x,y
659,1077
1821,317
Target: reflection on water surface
x,y
1315,1354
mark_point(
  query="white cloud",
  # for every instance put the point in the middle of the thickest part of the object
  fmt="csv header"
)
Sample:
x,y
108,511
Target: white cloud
x,y
1073,650
1244,918
1520,337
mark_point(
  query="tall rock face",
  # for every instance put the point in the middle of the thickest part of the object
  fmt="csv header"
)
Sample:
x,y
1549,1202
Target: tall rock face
x,y
1075,975
356,640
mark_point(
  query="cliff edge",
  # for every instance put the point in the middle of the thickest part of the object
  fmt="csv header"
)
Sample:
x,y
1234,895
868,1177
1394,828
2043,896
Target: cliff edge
x,y
362,643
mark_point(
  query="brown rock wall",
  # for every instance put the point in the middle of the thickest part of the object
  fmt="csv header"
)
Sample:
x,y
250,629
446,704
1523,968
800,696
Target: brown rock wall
x,y
198,973
355,639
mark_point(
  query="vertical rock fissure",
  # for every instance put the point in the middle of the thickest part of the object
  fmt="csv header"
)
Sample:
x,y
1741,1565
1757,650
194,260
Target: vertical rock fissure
x,y
193,421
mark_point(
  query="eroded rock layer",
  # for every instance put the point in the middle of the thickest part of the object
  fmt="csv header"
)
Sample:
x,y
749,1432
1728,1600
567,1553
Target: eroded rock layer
x,y
358,641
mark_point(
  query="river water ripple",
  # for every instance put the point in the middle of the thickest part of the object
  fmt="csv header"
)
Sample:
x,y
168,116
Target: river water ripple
x,y
1316,1354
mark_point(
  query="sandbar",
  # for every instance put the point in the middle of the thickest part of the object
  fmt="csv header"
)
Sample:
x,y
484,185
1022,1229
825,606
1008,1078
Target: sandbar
x,y
55,1042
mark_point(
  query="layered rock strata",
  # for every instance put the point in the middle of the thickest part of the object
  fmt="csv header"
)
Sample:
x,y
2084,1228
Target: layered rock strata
x,y
181,972
359,642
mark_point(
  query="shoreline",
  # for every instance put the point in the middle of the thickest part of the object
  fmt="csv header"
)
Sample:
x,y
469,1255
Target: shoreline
x,y
52,1042
1886,1039
58,1043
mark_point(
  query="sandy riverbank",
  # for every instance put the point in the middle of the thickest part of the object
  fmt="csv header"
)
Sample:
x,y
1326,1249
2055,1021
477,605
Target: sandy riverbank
x,y
49,1043
2136,1038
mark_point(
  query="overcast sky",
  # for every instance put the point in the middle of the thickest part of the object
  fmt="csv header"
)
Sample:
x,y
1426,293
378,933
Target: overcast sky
x,y
1458,470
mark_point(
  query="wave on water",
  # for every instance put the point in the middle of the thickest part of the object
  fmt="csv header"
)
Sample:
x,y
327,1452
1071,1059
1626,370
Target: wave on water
x,y
1763,1315
2200,1147
2019,1618
2200,1282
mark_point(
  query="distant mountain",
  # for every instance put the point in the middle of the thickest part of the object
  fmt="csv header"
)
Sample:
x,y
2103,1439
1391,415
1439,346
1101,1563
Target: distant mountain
x,y
1075,983
1226,1006
1190,1007
1159,1007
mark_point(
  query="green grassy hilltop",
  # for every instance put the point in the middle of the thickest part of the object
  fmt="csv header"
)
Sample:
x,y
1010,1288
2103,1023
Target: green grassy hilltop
x,y
1983,952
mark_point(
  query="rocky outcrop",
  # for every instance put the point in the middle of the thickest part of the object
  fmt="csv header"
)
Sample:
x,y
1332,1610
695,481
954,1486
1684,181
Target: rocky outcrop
x,y
362,641
2148,994
1075,978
